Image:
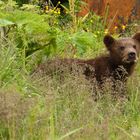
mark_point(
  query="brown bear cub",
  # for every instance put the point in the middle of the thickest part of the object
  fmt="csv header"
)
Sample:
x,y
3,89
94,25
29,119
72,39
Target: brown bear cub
x,y
117,65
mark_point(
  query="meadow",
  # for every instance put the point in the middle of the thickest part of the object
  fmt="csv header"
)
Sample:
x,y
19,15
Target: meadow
x,y
36,108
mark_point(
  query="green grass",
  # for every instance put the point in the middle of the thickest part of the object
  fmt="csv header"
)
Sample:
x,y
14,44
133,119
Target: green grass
x,y
39,108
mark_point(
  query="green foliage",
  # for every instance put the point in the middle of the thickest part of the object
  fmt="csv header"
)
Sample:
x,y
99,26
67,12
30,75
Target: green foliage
x,y
78,44
4,23
21,2
32,31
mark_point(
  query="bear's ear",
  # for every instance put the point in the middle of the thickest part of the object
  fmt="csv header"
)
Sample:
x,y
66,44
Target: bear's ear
x,y
109,41
137,37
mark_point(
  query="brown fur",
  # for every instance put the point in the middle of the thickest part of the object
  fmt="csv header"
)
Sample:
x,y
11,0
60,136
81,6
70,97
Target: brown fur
x,y
118,64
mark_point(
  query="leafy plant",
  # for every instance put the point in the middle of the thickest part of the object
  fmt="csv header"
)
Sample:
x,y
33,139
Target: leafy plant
x,y
35,27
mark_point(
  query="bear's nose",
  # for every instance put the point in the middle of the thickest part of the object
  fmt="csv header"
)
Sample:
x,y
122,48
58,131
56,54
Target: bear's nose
x,y
132,55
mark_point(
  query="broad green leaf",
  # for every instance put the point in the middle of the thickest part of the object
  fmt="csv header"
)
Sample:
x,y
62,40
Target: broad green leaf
x,y
4,23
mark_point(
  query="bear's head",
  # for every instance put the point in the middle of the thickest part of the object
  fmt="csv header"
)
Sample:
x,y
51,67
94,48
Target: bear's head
x,y
124,50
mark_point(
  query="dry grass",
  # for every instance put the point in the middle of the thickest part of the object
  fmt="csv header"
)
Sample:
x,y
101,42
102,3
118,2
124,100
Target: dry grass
x,y
74,107
64,107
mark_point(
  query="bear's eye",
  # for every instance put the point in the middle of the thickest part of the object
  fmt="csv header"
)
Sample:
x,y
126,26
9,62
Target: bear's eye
x,y
122,48
134,46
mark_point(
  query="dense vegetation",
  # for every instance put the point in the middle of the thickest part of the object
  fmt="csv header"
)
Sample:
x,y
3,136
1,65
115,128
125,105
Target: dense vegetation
x,y
35,108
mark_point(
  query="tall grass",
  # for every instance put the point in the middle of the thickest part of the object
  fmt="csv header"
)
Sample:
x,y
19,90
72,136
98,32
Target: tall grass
x,y
45,107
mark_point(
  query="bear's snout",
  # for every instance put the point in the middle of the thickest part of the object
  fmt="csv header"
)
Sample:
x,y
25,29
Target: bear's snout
x,y
132,55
